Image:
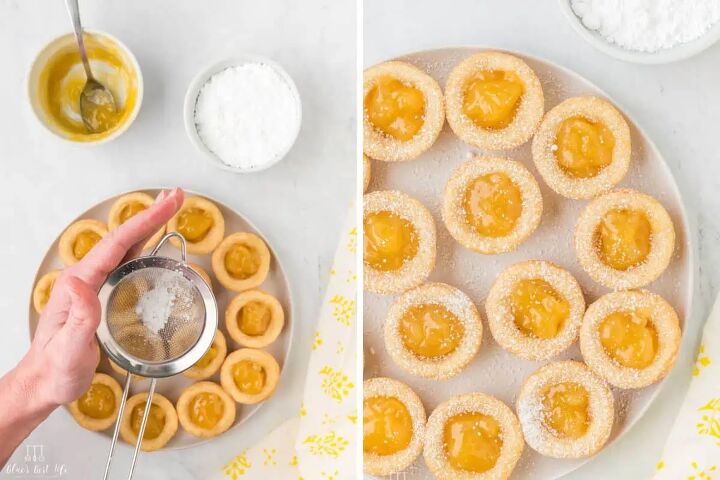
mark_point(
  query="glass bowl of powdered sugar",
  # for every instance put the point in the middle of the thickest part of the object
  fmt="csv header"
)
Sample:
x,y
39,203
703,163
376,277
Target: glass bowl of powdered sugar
x,y
243,113
646,31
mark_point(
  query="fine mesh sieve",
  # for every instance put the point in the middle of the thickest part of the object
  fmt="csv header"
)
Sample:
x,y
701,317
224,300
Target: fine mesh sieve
x,y
142,293
159,317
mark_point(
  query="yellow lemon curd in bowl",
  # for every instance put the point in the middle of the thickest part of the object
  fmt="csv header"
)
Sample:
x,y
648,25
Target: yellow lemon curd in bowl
x,y
61,80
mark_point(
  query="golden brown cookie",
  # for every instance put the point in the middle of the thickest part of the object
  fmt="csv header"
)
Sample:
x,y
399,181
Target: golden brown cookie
x,y
630,338
43,290
205,410
79,238
97,408
201,271
250,376
399,242
582,148
162,422
472,437
241,261
535,309
393,426
201,223
129,205
491,205
494,101
403,111
433,331
566,411
624,239
254,319
211,361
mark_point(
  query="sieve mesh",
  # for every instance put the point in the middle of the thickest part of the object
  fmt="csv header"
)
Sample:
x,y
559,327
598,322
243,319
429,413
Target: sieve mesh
x,y
155,314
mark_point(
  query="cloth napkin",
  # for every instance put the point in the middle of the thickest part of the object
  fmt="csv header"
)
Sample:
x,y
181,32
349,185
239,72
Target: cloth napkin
x,y
319,443
692,450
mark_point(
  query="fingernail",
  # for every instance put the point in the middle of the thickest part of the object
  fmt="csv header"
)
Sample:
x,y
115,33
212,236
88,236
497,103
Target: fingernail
x,y
161,196
175,191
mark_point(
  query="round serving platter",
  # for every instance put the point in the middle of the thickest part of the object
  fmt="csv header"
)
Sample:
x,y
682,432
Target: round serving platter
x,y
495,371
276,283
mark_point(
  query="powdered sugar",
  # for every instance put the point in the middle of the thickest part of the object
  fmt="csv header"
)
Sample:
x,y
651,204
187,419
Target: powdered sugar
x,y
156,306
248,115
648,25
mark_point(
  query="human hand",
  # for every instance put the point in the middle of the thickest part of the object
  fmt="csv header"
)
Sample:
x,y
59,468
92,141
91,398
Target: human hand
x,y
63,356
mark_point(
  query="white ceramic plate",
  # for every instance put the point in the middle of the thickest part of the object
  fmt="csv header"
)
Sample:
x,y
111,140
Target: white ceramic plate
x,y
495,371
276,284
668,55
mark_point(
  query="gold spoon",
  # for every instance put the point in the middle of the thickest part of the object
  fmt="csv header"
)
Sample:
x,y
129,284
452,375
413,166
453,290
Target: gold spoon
x,y
96,101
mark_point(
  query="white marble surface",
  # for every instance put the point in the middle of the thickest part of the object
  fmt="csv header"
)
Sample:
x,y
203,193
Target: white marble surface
x,y
677,104
299,203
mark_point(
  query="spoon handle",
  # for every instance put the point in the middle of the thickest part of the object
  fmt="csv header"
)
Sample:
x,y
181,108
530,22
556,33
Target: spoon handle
x,y
74,11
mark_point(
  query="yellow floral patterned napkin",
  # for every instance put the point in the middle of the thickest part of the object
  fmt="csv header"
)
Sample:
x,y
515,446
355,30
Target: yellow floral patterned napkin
x,y
320,443
273,458
692,450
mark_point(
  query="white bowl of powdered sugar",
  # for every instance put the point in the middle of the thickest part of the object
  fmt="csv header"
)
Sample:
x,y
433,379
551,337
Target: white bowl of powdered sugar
x,y
646,31
243,113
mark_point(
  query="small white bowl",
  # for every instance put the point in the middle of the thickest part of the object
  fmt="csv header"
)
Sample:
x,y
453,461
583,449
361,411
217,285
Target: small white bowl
x,y
60,43
191,100
674,54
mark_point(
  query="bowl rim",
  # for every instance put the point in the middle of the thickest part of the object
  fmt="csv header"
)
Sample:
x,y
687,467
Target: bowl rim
x,y
674,54
140,88
193,91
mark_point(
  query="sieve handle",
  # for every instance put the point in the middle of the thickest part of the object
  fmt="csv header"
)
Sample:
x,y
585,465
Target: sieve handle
x,y
165,238
121,410
143,424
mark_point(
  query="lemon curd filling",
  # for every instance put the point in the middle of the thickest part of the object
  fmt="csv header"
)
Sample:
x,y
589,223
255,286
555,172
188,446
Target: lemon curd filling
x,y
131,209
249,376
207,359
254,318
206,409
84,242
472,442
624,238
390,241
491,98
567,409
493,204
194,224
98,402
242,261
584,147
430,330
538,309
395,108
387,426
629,338
155,422
62,80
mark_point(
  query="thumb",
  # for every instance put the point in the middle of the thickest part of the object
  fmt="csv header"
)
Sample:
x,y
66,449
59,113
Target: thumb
x,y
84,312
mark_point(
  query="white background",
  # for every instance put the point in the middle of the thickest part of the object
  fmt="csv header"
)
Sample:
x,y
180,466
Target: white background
x,y
299,204
679,107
